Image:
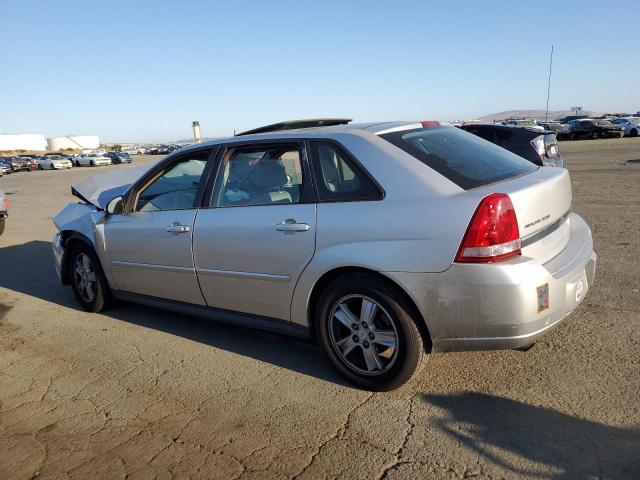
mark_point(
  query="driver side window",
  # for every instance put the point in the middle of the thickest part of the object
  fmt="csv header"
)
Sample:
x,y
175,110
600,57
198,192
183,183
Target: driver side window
x,y
175,188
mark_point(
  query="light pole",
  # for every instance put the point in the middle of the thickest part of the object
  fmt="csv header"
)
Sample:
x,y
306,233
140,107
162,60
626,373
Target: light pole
x,y
546,113
197,138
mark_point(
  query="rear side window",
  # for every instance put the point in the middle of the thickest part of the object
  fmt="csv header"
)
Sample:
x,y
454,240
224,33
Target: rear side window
x,y
463,158
338,177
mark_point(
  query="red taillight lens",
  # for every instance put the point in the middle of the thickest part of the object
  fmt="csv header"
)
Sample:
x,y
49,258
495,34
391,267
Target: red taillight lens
x,y
493,233
430,123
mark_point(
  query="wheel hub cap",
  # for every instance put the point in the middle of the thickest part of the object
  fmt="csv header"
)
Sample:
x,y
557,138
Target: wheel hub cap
x,y
363,334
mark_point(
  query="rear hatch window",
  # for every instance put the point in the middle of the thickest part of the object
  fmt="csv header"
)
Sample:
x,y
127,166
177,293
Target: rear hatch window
x,y
462,157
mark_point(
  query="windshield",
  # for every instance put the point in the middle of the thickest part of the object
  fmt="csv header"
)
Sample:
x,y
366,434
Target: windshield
x,y
465,159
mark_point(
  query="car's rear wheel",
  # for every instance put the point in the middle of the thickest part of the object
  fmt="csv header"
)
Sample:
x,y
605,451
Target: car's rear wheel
x,y
595,135
92,164
87,279
40,167
369,332
633,132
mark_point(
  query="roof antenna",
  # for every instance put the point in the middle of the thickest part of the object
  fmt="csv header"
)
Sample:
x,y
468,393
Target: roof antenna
x,y
546,113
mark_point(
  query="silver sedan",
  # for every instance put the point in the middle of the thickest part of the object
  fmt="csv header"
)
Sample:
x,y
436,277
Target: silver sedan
x,y
384,242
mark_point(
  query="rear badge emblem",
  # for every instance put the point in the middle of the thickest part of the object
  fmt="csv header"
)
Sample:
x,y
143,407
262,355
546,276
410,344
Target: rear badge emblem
x,y
579,291
543,297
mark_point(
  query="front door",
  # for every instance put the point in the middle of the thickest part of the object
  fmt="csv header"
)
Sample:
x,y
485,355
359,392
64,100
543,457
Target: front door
x,y
258,234
149,248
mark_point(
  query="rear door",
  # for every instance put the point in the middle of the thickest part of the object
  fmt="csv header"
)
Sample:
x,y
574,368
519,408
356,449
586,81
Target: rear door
x,y
258,233
149,246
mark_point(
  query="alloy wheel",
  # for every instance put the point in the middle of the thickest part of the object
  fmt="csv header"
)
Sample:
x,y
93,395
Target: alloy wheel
x,y
84,277
363,334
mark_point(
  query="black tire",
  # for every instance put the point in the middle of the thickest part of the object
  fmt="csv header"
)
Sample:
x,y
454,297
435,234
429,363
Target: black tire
x,y
102,297
595,135
405,361
572,136
92,164
1,226
77,163
40,167
633,132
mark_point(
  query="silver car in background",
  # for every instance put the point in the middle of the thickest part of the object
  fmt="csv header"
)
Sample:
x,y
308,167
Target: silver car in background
x,y
91,160
631,125
53,162
383,241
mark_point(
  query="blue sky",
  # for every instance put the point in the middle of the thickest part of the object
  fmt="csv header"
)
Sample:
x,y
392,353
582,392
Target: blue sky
x,y
143,70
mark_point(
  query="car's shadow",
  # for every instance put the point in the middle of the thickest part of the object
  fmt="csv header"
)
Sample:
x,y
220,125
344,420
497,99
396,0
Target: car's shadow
x,y
29,269
518,436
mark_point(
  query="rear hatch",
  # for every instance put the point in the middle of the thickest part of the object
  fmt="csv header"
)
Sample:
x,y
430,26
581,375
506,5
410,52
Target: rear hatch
x,y
542,201
541,196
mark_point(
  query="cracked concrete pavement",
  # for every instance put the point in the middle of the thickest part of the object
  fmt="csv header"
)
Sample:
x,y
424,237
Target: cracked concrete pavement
x,y
141,393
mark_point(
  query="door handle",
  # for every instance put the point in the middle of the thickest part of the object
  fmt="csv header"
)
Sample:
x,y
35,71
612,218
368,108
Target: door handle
x,y
177,228
290,225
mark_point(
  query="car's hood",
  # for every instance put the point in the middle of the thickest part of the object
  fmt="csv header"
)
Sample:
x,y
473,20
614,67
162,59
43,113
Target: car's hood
x,y
99,190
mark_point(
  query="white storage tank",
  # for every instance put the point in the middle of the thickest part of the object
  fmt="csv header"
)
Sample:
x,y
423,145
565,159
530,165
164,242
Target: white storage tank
x,y
75,142
23,141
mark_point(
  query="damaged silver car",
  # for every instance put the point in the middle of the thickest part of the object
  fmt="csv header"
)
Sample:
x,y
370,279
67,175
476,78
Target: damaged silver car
x,y
383,241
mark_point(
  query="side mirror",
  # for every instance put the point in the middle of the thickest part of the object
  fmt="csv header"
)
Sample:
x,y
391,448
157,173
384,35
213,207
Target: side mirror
x,y
115,206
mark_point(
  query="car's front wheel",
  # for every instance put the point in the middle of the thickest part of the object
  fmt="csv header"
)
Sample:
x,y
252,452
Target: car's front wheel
x,y
369,332
87,279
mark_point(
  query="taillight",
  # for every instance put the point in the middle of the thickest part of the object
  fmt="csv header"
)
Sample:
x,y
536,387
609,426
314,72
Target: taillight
x,y
430,123
493,232
5,204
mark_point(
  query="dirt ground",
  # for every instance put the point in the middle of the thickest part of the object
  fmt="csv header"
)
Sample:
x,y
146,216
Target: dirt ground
x,y
141,393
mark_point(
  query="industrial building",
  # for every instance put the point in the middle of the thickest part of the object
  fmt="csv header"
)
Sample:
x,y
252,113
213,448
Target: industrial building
x,y
75,142
24,141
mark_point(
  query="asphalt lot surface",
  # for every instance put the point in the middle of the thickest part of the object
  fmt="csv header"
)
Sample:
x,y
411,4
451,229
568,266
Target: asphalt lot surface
x,y
140,393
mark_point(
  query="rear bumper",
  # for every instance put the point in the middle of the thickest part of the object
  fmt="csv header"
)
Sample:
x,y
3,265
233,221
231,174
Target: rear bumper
x,y
612,133
503,305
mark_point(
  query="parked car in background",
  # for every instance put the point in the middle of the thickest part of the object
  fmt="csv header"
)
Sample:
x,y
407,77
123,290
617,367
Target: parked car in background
x,y
594,128
540,148
20,164
161,150
385,241
119,157
4,210
561,130
91,160
525,122
569,118
631,125
53,162
32,159
5,165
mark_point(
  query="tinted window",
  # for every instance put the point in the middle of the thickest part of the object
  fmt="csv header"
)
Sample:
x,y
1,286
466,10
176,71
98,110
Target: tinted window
x,y
175,188
260,175
338,177
463,158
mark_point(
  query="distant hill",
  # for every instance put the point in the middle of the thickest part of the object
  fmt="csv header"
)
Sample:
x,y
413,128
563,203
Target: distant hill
x,y
537,114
